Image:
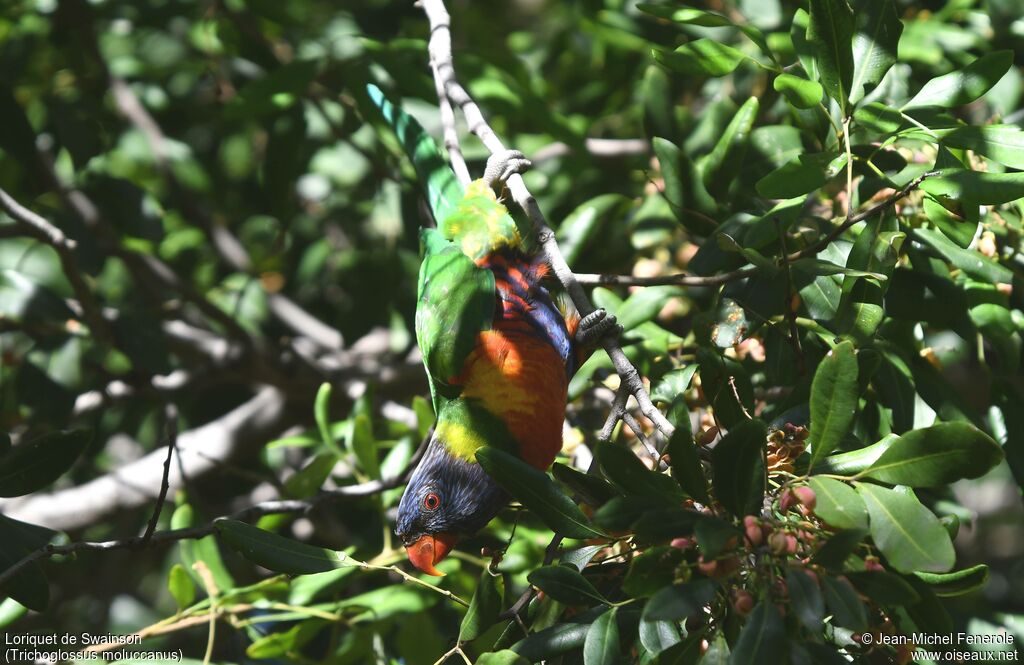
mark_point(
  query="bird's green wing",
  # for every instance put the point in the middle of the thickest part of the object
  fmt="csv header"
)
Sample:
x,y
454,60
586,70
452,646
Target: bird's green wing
x,y
443,190
456,302
456,297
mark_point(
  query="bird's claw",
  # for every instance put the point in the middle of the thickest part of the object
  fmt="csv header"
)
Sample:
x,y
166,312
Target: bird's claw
x,y
596,326
502,165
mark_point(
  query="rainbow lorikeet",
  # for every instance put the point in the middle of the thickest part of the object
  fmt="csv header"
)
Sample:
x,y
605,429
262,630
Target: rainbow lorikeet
x,y
498,351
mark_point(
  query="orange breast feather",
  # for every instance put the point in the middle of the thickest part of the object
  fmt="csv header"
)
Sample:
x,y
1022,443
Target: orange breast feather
x,y
521,378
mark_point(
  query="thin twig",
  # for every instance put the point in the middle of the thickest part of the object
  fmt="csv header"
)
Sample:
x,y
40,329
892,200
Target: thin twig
x,y
685,279
65,248
440,49
861,216
171,425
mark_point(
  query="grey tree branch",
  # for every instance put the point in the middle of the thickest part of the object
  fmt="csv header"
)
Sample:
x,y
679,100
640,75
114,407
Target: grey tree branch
x,y
274,507
133,485
440,49
596,147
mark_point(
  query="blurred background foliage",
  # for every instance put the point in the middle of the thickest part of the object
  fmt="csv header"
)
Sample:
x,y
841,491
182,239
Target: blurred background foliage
x,y
213,162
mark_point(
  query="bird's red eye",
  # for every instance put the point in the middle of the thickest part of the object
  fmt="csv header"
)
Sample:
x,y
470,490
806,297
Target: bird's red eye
x,y
431,501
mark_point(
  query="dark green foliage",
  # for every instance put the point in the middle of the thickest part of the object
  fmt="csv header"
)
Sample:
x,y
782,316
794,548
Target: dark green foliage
x,y
846,175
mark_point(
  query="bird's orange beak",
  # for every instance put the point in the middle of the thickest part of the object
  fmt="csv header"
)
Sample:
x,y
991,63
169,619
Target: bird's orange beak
x,y
428,551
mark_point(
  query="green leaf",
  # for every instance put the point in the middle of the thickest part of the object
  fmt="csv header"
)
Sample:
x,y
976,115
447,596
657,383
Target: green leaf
x,y
686,465
800,92
679,601
701,57
798,176
937,455
179,583
971,262
589,488
673,384
976,187
652,571
602,645
656,636
31,466
566,585
424,415
834,394
821,268
958,582
846,608
883,587
363,445
878,117
321,407
965,85
503,657
307,481
837,549
537,492
483,608
29,586
736,463
762,639
681,180
1000,143
204,549
621,466
855,461
877,34
805,599
715,535
830,33
839,504
644,305
276,553
906,532
10,611
722,164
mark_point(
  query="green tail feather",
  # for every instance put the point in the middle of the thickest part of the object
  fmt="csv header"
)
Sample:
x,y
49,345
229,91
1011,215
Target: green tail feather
x,y
443,190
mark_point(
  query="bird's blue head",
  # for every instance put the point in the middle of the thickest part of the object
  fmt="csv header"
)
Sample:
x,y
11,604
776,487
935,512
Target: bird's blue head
x,y
446,498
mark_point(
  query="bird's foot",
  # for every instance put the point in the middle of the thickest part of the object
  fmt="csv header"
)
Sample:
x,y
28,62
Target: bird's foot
x,y
595,327
502,165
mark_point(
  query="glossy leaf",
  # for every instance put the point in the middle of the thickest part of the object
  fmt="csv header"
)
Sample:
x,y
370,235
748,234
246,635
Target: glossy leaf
x,y
483,608
30,466
805,599
965,85
877,34
657,636
883,587
602,645
907,533
674,383
621,466
566,585
833,400
679,601
686,465
180,584
536,491
800,92
830,34
701,57
956,583
846,608
936,455
839,504
736,465
503,657
762,639
277,553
